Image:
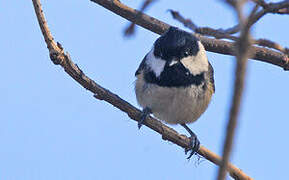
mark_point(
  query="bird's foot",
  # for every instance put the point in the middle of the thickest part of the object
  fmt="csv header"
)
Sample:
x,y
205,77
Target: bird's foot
x,y
145,112
194,142
194,146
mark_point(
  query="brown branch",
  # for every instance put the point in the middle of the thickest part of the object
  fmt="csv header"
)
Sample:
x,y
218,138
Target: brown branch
x,y
271,44
58,56
242,48
213,45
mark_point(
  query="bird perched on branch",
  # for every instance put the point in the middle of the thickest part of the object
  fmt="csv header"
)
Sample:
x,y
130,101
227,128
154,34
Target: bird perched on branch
x,y
175,81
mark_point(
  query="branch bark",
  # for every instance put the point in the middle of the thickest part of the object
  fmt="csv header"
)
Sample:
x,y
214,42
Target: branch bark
x,y
213,45
59,57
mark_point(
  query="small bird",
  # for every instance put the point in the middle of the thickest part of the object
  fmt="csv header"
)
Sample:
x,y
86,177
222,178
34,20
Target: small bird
x,y
175,81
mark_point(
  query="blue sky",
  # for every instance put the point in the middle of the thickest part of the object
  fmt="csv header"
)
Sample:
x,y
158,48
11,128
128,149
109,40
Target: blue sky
x,y
52,128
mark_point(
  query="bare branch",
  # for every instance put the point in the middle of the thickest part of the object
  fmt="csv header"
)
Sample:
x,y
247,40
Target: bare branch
x,y
261,3
201,30
222,34
231,30
242,48
271,44
278,8
213,45
58,56
131,28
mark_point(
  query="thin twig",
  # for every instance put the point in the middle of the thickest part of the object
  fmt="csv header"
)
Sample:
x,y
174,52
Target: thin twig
x,y
261,3
231,30
271,44
129,31
213,45
222,34
58,56
278,8
218,34
242,48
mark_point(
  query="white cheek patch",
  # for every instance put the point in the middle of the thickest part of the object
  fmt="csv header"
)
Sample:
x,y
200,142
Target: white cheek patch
x,y
156,64
197,64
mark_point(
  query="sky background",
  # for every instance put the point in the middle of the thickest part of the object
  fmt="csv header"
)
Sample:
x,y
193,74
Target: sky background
x,y
52,128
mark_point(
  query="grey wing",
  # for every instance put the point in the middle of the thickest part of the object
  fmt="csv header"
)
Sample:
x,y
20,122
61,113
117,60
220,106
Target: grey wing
x,y
141,66
211,72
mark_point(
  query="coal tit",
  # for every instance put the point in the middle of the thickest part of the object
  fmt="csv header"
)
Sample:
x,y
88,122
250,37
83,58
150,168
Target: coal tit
x,y
175,81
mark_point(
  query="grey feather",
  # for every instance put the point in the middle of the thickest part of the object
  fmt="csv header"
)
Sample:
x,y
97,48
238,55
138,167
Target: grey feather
x,y
211,73
141,66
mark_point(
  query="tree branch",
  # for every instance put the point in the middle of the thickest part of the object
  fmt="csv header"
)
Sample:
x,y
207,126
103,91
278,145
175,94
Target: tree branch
x,y
213,45
278,8
242,48
129,31
207,31
223,34
59,57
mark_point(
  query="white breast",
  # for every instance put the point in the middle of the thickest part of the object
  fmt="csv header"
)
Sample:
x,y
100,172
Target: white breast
x,y
173,105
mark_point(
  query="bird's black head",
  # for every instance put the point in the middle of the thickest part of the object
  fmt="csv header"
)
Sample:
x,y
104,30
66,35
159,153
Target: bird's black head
x,y
178,59
175,44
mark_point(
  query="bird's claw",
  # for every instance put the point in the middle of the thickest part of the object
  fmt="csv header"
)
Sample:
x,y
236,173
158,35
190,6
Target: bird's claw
x,y
194,142
194,146
141,121
146,111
